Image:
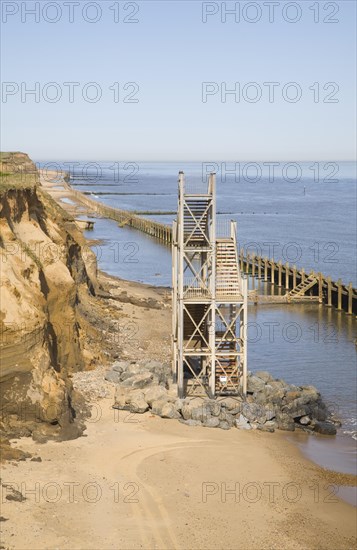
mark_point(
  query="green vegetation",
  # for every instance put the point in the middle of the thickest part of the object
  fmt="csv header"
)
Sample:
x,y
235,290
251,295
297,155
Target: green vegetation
x,y
17,171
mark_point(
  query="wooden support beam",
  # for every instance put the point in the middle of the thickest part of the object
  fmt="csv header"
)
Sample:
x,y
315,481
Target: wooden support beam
x,y
339,295
280,274
329,292
259,267
272,272
287,276
350,299
320,279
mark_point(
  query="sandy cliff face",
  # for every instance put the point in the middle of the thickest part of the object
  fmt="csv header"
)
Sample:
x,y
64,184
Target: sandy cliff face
x,y
44,270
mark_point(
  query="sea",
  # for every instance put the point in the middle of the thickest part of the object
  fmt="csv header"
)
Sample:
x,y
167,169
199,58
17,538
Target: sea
x,y
303,213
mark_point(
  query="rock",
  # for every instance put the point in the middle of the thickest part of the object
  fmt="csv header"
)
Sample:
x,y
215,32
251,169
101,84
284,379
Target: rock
x,y
270,413
267,427
255,384
178,403
285,422
200,413
190,405
140,380
168,411
227,417
158,405
242,423
112,376
120,398
325,428
212,422
305,420
231,403
213,407
138,404
132,370
14,494
154,393
36,459
120,366
254,412
292,396
264,375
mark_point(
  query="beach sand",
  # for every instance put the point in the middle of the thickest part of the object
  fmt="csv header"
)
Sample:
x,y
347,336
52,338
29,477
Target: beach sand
x,y
139,481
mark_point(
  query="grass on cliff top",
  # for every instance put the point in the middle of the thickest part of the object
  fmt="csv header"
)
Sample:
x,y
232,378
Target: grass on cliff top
x,y
17,171
17,180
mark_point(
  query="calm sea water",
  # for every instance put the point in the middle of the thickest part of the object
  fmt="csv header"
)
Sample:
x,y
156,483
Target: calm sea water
x,y
309,223
301,213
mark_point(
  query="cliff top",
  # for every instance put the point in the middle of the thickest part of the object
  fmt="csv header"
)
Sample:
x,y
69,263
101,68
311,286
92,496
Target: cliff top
x,y
17,170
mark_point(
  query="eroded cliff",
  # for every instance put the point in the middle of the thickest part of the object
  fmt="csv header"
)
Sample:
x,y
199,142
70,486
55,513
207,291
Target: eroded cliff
x,y
46,270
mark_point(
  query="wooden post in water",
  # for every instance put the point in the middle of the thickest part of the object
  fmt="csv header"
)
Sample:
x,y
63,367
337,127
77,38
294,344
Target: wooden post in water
x,y
279,273
302,275
321,296
294,276
265,269
350,299
259,267
329,292
247,263
287,275
272,272
339,294
253,265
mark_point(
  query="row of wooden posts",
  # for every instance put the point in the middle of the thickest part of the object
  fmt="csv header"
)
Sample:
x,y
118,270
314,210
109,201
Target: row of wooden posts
x,y
282,275
329,292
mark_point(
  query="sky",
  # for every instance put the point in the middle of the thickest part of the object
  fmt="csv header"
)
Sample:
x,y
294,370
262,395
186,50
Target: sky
x,y
150,80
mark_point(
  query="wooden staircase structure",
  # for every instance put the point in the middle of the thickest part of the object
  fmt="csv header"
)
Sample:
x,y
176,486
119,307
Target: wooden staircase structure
x,y
300,290
209,299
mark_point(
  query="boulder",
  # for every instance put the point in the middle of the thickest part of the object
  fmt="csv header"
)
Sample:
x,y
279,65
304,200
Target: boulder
x,y
120,398
264,375
242,423
168,410
292,396
267,427
231,403
255,384
158,405
212,422
120,366
140,380
154,393
227,417
305,420
285,422
254,412
189,405
112,376
138,404
325,428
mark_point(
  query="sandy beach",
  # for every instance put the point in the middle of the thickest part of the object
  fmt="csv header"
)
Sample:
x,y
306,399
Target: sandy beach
x,y
138,481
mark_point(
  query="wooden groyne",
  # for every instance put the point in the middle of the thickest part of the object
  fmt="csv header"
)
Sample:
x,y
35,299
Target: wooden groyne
x,y
297,284
124,217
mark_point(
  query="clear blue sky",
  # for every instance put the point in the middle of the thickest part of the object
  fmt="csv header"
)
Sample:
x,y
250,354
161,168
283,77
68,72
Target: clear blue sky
x,y
169,52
